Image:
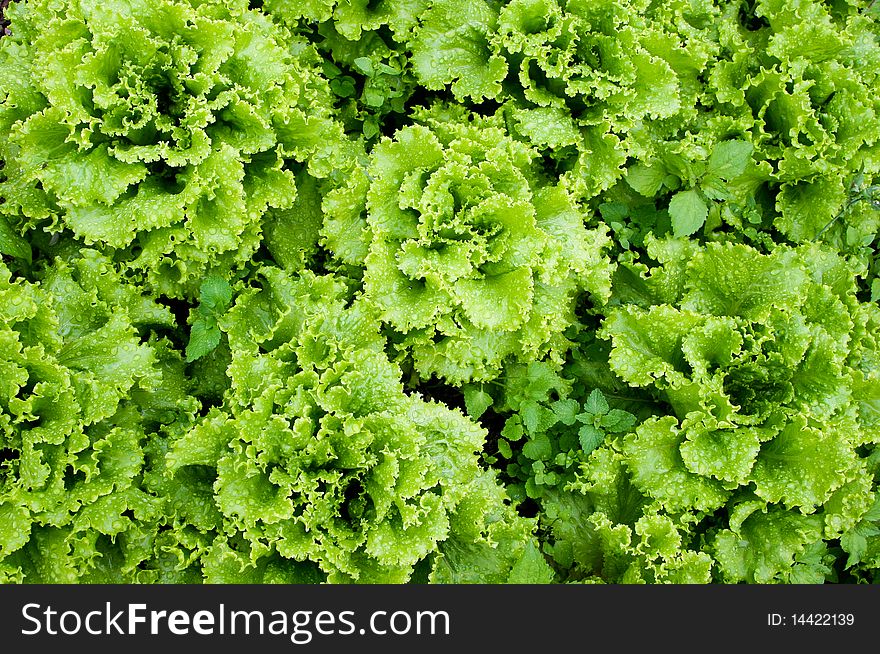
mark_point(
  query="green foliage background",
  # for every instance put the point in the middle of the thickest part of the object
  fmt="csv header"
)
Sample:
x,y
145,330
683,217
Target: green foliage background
x,y
448,291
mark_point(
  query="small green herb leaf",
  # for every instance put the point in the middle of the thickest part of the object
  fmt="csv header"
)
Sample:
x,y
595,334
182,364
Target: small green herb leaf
x,y
730,158
203,338
646,180
590,438
688,212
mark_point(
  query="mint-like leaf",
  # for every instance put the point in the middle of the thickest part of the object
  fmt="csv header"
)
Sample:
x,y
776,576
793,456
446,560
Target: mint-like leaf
x,y
730,158
215,294
476,401
203,338
618,421
646,180
590,438
596,403
688,212
538,448
565,411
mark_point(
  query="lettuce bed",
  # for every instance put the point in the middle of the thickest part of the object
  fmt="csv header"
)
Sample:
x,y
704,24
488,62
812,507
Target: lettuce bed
x,y
305,291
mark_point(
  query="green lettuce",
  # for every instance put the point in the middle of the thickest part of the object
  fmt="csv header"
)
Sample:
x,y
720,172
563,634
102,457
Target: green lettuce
x,y
86,380
469,253
754,356
318,455
162,130
435,291
757,117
